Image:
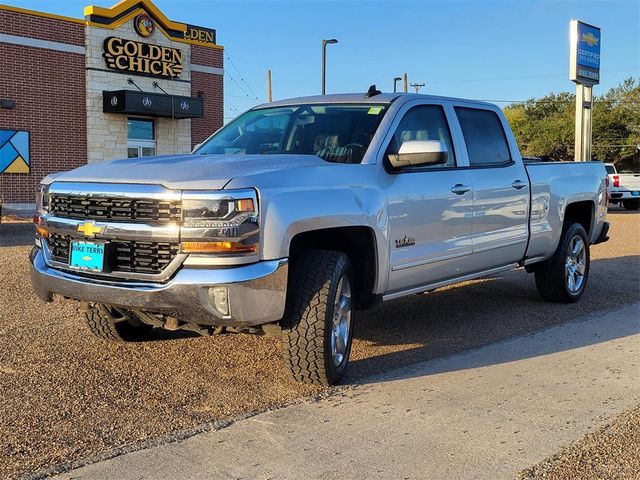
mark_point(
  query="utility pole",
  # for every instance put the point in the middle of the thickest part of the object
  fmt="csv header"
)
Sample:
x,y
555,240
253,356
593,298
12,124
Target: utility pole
x,y
417,86
269,97
405,83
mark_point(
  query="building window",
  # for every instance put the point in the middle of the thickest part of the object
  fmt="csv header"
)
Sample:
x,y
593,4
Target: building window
x,y
141,138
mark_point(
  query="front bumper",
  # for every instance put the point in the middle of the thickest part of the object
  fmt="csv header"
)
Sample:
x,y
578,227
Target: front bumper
x,y
256,292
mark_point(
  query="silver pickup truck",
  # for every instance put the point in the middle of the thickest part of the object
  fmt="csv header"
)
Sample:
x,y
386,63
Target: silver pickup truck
x,y
300,212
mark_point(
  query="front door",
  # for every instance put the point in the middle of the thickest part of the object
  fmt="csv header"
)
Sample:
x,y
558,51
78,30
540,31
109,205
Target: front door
x,y
430,208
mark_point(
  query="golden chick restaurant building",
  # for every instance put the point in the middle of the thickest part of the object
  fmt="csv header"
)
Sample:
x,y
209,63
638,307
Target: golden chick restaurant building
x,y
124,81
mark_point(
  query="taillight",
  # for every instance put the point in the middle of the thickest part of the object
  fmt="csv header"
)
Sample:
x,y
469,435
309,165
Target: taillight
x,y
606,189
616,180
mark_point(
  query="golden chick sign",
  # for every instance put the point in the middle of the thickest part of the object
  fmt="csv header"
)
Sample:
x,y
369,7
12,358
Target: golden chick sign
x,y
140,58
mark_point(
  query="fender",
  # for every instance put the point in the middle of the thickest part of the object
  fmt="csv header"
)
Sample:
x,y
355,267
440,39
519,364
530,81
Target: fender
x,y
333,196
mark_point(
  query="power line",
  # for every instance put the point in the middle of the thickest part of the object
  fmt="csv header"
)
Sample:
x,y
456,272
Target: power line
x,y
255,100
559,100
519,77
241,76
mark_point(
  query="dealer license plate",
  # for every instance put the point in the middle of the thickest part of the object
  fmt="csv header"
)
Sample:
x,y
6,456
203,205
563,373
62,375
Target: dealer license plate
x,y
87,256
635,194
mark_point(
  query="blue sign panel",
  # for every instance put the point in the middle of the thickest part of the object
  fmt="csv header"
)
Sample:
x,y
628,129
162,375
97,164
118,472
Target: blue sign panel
x,y
14,151
588,54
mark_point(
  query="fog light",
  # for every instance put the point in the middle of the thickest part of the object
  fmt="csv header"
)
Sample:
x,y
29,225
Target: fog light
x,y
219,296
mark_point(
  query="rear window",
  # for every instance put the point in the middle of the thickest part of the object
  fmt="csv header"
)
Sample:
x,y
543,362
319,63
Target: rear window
x,y
484,136
610,169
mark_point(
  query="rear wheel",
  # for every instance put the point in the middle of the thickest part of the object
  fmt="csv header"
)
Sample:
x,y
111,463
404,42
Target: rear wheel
x,y
631,204
111,323
318,326
564,276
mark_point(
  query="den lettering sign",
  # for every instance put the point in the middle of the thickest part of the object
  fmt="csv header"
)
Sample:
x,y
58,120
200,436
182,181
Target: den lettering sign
x,y
200,35
142,58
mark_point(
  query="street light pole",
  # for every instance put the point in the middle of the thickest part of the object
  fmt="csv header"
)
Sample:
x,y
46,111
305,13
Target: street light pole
x,y
395,81
331,41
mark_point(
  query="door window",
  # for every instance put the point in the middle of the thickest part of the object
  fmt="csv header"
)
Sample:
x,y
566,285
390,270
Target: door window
x,y
425,122
141,141
484,137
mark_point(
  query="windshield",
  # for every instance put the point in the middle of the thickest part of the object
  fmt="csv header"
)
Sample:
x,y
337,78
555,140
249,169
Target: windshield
x,y
337,133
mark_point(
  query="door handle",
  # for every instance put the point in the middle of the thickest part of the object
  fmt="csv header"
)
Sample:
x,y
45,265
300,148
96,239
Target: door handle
x,y
518,184
460,189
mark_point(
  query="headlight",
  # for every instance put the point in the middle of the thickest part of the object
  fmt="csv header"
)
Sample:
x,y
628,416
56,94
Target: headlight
x,y
42,207
220,222
42,198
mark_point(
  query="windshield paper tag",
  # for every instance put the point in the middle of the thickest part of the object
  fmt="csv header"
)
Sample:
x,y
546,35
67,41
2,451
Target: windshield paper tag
x,y
374,110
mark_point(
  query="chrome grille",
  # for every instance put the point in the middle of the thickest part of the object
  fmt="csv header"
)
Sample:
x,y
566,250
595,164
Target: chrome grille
x,y
151,211
123,256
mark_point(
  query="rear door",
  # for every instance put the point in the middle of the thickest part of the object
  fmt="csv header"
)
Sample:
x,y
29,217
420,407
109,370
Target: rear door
x,y
429,208
500,188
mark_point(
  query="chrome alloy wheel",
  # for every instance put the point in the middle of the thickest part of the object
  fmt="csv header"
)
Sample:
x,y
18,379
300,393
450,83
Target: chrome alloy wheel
x,y
575,265
341,325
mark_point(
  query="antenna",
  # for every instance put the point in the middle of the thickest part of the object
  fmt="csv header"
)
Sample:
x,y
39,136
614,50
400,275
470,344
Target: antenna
x,y
372,92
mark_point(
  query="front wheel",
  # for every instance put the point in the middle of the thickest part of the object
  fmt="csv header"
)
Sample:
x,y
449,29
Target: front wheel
x,y
318,324
114,324
564,276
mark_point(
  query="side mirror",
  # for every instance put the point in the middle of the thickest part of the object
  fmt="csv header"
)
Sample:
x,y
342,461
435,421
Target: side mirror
x,y
420,152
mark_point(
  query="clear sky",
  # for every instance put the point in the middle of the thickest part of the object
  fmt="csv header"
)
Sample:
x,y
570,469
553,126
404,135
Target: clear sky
x,y
497,50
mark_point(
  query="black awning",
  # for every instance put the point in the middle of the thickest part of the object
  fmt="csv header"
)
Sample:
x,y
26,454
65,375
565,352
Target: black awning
x,y
152,104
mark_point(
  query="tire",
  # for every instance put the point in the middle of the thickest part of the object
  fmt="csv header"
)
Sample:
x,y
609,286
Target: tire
x,y
631,204
563,278
115,325
313,351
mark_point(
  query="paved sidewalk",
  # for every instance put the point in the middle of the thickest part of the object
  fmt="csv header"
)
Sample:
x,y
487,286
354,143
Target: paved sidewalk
x,y
486,413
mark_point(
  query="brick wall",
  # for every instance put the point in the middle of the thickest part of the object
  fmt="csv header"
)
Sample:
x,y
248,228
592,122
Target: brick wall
x,y
42,28
49,89
211,88
211,57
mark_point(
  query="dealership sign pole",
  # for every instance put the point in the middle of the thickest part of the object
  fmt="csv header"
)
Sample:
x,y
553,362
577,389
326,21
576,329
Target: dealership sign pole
x,y
584,70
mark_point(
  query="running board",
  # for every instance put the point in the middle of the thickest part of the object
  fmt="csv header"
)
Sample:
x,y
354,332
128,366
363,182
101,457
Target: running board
x,y
432,286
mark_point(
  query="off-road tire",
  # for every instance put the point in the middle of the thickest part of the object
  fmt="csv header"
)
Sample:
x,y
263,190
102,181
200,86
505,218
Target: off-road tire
x,y
551,277
307,324
109,324
631,204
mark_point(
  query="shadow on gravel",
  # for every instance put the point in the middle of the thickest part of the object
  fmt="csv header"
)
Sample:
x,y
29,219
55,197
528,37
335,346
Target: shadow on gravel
x,y
471,315
16,234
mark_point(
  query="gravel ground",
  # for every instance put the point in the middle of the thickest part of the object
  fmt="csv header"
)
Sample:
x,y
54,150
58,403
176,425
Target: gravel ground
x,y
68,395
612,453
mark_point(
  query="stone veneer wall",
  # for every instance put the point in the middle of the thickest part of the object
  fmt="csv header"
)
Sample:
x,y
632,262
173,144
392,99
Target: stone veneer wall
x,y
107,133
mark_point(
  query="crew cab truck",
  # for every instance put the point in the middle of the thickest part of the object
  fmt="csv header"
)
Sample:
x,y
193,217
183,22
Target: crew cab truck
x,y
300,212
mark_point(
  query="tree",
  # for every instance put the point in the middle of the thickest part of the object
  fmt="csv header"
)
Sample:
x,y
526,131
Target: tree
x,y
545,127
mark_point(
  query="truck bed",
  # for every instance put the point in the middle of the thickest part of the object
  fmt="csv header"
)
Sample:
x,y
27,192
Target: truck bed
x,y
554,185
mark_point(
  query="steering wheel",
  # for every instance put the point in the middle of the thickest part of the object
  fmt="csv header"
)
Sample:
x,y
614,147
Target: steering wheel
x,y
352,145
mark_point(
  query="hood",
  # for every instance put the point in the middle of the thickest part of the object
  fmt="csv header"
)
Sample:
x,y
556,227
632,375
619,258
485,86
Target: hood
x,y
184,172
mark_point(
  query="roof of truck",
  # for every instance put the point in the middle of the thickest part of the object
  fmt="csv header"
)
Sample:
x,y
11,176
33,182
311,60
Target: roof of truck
x,y
381,98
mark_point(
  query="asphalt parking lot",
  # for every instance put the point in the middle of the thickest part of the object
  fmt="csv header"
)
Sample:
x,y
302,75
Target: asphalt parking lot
x,y
67,395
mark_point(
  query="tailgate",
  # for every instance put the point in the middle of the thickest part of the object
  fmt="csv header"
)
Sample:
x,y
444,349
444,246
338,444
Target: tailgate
x,y
629,181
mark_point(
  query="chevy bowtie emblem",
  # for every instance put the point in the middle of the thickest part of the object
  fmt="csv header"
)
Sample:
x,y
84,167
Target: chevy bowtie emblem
x,y
89,229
